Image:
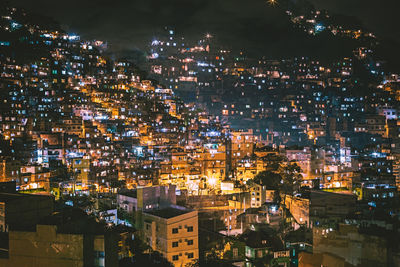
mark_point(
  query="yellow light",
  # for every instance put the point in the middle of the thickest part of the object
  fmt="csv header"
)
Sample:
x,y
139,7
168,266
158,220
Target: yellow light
x,y
212,181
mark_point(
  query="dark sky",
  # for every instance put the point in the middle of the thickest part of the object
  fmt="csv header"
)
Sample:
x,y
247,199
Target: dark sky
x,y
129,24
381,16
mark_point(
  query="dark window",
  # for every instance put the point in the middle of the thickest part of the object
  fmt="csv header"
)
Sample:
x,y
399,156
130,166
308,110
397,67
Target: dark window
x,y
190,229
174,230
175,257
190,242
174,244
190,255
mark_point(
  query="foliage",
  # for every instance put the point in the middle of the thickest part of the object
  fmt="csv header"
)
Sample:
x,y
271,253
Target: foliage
x,y
291,177
286,179
143,255
125,216
212,260
269,179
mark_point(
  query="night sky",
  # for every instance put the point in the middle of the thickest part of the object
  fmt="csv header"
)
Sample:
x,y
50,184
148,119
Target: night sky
x,y
253,24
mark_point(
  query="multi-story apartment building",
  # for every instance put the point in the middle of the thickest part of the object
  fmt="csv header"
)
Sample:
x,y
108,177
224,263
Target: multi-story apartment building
x,y
173,232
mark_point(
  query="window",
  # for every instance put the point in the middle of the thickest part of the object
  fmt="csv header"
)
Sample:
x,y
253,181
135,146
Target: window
x,y
260,254
235,253
174,230
190,242
174,244
190,255
99,258
175,257
190,229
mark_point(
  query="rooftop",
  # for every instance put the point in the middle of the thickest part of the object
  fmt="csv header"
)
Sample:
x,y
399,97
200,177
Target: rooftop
x,y
130,193
6,197
74,221
168,213
262,238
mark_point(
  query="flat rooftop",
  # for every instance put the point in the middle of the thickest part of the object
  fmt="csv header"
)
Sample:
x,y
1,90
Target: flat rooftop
x,y
131,193
5,197
168,213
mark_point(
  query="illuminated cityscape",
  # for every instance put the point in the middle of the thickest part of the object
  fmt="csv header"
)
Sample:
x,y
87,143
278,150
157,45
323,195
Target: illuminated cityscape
x,y
191,148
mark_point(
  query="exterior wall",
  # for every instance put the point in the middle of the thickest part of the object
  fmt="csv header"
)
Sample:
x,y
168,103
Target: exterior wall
x,y
155,197
257,195
148,198
44,248
299,208
214,164
183,222
158,233
376,124
338,179
47,247
331,205
242,144
302,158
325,259
127,203
25,209
254,253
81,167
244,173
347,243
322,206
9,170
3,217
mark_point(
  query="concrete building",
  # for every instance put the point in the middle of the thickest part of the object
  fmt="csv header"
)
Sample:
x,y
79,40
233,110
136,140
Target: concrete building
x,y
145,198
259,195
261,243
9,169
351,245
315,207
68,238
173,232
20,210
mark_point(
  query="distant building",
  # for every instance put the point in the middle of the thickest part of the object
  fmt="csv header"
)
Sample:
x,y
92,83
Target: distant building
x,y
259,194
9,169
